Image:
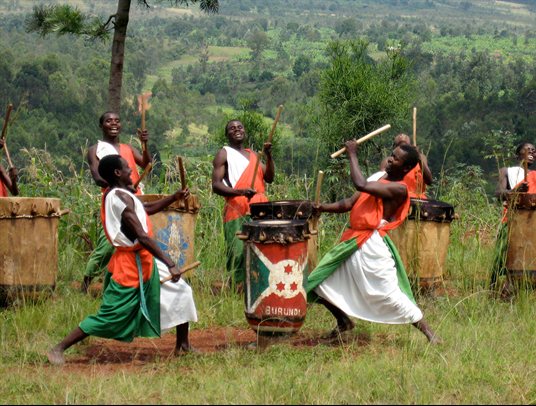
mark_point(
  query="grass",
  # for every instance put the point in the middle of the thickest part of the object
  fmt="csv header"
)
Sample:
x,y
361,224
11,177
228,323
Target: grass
x,y
486,357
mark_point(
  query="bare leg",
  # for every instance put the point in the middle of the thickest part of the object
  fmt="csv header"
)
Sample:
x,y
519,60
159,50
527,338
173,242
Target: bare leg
x,y
55,354
343,321
182,344
85,284
432,337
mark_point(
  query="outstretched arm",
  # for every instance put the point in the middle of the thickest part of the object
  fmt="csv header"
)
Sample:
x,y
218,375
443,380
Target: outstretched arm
x,y
342,206
159,205
132,228
218,174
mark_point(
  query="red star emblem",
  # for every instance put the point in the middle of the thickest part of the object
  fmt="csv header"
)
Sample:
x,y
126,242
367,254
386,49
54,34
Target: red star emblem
x,y
280,286
293,286
288,268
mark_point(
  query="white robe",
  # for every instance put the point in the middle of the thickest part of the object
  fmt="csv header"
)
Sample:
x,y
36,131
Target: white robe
x,y
177,304
236,165
366,286
516,174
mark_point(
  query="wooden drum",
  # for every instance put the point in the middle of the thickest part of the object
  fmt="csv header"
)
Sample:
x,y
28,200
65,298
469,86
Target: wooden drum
x,y
291,210
521,254
174,228
28,248
423,239
276,274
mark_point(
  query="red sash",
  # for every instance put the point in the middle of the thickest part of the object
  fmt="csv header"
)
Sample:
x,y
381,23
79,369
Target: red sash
x,y
3,189
415,182
366,215
238,206
531,180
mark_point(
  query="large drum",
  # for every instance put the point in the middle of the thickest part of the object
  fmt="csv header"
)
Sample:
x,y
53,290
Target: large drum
x,y
174,228
276,274
423,239
521,254
28,248
291,210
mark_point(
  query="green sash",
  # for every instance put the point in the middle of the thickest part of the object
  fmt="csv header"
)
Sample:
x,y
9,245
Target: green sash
x,y
234,249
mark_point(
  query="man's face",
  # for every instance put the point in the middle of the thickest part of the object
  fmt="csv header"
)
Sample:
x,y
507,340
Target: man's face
x,y
527,153
125,173
396,163
236,132
111,125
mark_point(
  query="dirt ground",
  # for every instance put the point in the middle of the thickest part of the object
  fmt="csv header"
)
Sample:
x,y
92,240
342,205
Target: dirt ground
x,y
104,355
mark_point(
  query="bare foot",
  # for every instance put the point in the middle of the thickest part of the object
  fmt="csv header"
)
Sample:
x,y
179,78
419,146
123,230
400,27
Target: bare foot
x,y
55,356
435,339
185,349
347,325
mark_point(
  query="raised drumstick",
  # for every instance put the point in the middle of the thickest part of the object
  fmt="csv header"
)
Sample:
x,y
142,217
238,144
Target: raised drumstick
x,y
363,139
144,174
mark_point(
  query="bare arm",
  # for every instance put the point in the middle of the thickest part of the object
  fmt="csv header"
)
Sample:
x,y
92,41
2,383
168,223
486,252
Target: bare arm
x,y
218,174
133,229
145,158
426,172
159,205
342,206
9,179
93,162
269,168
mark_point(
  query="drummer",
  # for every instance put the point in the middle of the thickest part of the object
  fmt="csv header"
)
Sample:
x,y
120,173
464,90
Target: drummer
x,y
511,179
232,176
419,177
359,277
8,179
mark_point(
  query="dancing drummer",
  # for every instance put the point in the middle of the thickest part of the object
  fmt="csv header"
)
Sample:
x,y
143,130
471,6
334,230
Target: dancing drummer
x,y
512,179
232,177
361,277
132,303
110,124
419,177
8,179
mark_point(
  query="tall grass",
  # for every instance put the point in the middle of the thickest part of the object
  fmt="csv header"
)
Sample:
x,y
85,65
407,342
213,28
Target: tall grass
x,y
486,357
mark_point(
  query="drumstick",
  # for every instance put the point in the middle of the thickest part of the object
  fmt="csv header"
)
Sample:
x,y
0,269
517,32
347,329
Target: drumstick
x,y
182,271
182,174
318,185
270,136
363,139
145,172
4,133
414,126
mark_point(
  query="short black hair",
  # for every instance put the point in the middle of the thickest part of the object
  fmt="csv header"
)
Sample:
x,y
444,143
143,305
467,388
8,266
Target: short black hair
x,y
107,166
412,155
521,145
101,118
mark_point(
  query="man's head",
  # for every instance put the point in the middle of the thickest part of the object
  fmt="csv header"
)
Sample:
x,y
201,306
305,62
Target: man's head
x,y
403,159
235,132
110,123
115,171
401,139
526,151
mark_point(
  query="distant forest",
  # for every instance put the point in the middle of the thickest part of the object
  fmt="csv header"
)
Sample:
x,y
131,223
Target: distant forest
x,y
468,67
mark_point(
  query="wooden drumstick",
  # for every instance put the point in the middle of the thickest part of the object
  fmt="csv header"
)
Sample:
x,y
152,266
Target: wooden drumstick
x,y
182,174
363,139
270,136
144,174
142,106
4,133
414,126
318,186
182,271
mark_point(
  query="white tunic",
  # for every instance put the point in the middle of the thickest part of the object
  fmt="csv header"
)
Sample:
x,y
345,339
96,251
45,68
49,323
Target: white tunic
x,y
516,174
366,286
236,165
177,304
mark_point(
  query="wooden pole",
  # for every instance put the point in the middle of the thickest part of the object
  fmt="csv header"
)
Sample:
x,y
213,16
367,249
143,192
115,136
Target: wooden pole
x,y
144,174
182,271
414,126
363,139
318,186
270,136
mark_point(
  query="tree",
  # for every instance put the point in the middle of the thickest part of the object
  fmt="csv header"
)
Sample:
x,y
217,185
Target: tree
x,y
65,19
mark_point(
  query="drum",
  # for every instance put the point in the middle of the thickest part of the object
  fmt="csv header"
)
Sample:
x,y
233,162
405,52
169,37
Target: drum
x,y
276,274
291,210
422,241
520,256
28,248
174,228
